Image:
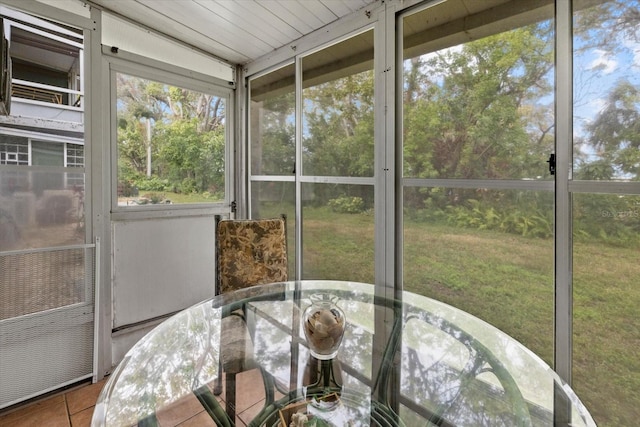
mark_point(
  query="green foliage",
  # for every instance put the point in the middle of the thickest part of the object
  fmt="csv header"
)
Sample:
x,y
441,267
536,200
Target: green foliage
x,y
512,219
345,204
608,218
152,183
188,185
615,136
192,160
180,129
277,136
476,112
474,215
611,219
339,117
528,223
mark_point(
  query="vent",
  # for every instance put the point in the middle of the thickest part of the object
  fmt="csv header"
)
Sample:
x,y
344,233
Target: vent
x,y
46,320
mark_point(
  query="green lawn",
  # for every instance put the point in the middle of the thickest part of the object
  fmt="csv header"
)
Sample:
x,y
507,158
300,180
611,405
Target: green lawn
x,y
507,280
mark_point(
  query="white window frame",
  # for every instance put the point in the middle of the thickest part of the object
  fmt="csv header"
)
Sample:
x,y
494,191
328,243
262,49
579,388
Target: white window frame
x,y
145,68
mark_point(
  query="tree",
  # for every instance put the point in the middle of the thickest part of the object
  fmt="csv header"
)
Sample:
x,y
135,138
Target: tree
x,y
194,161
615,136
605,24
187,136
481,110
608,139
339,117
273,141
470,110
338,135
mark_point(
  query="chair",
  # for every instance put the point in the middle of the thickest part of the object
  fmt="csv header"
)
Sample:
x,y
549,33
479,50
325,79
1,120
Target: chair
x,y
248,253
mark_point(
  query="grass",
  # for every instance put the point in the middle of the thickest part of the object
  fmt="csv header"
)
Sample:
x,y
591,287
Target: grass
x,y
176,198
507,280
349,239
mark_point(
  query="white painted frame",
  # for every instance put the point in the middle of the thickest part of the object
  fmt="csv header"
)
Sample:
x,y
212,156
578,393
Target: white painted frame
x,y
388,144
153,70
39,9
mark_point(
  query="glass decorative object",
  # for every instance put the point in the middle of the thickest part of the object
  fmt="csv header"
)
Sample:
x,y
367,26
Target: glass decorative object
x,y
323,324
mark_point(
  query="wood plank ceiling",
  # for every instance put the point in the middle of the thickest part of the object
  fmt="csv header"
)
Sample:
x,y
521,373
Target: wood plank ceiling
x,y
237,31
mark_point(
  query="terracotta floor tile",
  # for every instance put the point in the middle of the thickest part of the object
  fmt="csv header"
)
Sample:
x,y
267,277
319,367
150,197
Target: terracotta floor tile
x,y
180,411
250,413
202,419
82,418
75,408
83,397
32,407
253,389
54,415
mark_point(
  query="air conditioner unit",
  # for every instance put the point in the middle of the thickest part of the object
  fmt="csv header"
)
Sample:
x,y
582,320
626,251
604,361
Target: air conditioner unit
x,y
5,71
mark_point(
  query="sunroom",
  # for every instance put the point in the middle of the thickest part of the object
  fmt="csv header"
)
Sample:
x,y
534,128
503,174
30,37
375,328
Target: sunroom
x,y
481,153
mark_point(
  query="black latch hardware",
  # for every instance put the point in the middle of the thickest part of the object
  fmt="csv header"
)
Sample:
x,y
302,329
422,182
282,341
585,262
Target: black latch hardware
x,y
552,164
234,206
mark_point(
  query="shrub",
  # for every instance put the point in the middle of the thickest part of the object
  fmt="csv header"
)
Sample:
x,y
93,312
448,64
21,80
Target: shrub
x,y
346,204
151,184
188,186
483,216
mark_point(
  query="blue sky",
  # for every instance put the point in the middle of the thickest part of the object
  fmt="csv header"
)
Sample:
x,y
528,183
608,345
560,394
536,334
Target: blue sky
x,y
596,72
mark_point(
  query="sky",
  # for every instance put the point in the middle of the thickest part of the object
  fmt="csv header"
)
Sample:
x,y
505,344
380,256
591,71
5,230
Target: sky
x,y
596,72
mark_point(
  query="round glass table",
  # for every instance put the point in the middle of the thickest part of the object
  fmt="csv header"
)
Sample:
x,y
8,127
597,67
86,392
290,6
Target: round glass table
x,y
405,361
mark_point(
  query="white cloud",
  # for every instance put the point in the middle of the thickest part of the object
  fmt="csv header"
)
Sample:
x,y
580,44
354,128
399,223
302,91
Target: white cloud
x,y
603,62
597,104
634,47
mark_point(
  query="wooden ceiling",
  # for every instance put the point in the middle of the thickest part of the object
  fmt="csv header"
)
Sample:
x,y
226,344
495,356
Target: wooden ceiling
x,y
237,31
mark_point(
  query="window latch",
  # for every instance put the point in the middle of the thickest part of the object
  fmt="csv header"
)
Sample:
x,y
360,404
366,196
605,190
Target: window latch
x,y
552,164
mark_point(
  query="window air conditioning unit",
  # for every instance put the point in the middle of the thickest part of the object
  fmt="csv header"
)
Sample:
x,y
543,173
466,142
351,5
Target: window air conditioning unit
x,y
5,71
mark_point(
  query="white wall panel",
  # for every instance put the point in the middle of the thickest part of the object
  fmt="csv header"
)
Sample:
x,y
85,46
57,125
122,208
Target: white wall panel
x,y
73,6
119,33
161,266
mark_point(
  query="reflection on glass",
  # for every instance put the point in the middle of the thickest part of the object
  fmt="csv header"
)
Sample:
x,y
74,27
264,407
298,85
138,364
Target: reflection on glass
x,y
445,373
487,252
171,143
437,362
338,109
338,232
606,90
272,345
194,340
272,123
606,296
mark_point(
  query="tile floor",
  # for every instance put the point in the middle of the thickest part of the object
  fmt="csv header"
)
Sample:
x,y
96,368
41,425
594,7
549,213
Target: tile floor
x,y
74,407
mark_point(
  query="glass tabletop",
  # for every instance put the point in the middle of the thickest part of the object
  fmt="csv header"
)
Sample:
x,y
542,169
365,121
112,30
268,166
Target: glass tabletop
x,y
411,361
